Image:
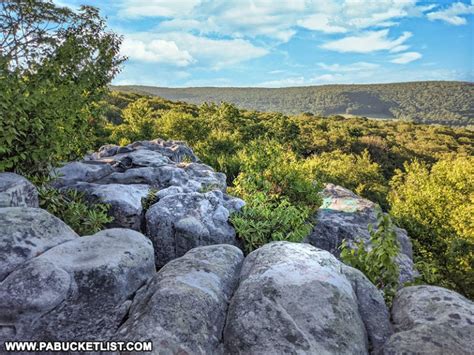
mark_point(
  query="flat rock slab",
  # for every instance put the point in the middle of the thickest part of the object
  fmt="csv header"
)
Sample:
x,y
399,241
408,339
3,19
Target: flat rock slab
x,y
431,320
78,290
183,308
17,191
295,299
26,233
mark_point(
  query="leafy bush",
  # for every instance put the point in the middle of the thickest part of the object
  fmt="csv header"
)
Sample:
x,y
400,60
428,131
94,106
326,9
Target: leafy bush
x,y
280,194
269,167
70,206
436,206
263,220
355,172
54,66
139,123
377,261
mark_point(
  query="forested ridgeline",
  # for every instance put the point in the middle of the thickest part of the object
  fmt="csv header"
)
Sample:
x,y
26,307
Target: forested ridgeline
x,y
443,102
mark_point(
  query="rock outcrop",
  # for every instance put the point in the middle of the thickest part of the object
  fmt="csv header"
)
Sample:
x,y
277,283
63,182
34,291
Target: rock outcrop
x,y
345,215
80,289
431,320
189,206
16,191
183,308
294,298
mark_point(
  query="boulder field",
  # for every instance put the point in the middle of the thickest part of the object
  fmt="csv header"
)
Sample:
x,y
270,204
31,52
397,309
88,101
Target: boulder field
x,y
169,269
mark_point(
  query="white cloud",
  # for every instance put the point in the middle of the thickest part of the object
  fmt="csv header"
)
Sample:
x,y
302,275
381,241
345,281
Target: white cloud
x,y
367,42
406,57
359,66
156,51
156,8
453,14
275,20
320,22
201,51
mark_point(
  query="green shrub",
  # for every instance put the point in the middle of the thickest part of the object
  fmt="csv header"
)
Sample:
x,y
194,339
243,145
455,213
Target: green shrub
x,y
275,170
70,206
377,262
54,66
263,220
436,207
355,172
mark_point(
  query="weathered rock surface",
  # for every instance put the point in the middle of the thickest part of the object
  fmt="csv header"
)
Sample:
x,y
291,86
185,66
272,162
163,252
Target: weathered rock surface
x,y
183,308
78,290
174,150
124,176
180,222
26,233
431,320
345,215
16,191
125,201
296,299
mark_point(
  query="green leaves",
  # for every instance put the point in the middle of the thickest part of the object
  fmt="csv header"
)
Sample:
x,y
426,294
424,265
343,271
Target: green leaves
x,y
436,207
377,259
85,218
50,81
263,220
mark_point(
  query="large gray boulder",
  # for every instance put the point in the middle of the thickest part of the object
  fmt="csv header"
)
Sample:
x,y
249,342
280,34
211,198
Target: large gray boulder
x,y
296,299
345,215
182,310
26,233
182,221
78,290
431,320
16,191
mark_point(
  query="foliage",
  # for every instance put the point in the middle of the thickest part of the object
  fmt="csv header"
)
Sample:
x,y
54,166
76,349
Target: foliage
x,y
376,261
280,193
353,171
264,219
54,68
70,206
270,168
436,206
138,123
149,200
427,101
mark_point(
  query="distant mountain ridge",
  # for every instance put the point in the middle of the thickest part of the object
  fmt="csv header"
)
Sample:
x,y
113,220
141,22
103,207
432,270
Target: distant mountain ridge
x,y
444,102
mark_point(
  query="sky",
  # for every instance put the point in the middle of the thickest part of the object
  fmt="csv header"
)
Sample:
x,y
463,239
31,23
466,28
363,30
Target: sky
x,y
276,43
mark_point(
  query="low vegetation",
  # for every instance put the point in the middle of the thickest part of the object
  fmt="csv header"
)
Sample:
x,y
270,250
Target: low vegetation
x,y
378,261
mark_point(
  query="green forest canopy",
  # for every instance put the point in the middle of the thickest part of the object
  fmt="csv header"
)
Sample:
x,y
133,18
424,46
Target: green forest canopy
x,y
444,102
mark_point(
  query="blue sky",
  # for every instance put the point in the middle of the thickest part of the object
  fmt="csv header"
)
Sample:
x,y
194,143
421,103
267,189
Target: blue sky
x,y
275,43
